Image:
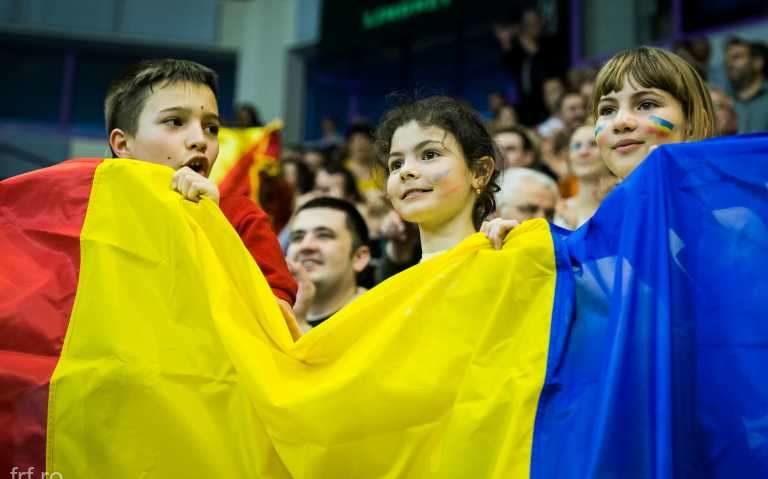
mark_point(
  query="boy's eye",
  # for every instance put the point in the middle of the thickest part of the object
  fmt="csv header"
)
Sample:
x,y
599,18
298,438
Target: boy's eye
x,y
174,121
213,129
430,155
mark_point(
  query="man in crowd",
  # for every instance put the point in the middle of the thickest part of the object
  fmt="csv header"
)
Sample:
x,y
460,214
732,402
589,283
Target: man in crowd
x,y
516,146
526,194
328,247
571,111
745,66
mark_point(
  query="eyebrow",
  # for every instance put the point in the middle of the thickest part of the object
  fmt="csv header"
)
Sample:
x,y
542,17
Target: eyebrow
x,y
323,229
182,109
418,146
634,96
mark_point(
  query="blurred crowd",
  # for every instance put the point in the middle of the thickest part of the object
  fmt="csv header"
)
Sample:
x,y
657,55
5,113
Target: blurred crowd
x,y
342,236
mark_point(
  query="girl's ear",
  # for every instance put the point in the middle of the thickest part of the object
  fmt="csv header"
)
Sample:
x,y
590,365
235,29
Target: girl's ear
x,y
482,172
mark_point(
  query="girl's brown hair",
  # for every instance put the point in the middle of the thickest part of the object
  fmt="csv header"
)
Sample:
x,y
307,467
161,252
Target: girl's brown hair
x,y
651,67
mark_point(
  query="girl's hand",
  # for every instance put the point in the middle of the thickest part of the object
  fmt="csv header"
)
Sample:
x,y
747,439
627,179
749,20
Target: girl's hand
x,y
496,230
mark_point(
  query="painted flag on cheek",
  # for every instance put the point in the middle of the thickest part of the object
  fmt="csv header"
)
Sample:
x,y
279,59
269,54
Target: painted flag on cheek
x,y
633,347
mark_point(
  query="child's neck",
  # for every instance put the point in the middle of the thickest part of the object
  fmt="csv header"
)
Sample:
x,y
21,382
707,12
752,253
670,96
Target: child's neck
x,y
437,238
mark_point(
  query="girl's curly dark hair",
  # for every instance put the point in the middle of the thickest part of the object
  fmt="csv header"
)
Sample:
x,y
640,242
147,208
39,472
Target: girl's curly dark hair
x,y
456,118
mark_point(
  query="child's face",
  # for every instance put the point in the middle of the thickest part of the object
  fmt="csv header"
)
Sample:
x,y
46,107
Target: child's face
x,y
178,126
429,181
584,155
632,120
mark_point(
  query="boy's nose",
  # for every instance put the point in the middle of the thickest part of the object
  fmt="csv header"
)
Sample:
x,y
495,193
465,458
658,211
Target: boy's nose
x,y
196,139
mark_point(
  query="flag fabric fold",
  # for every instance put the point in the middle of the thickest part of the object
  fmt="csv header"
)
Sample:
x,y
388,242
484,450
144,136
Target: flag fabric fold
x,y
661,374
632,347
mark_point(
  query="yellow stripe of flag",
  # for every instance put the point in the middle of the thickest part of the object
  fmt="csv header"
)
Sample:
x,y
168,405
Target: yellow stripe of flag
x,y
177,362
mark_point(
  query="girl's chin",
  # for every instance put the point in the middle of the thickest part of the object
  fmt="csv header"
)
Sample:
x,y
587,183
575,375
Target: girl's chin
x,y
623,166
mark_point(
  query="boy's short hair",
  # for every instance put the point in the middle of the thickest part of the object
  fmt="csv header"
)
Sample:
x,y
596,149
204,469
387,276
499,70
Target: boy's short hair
x,y
127,95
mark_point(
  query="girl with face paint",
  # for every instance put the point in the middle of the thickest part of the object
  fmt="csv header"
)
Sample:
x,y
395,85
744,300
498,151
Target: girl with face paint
x,y
643,98
647,97
440,167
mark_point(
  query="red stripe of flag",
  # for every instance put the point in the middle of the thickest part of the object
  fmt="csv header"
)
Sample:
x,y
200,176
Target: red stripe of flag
x,y
41,216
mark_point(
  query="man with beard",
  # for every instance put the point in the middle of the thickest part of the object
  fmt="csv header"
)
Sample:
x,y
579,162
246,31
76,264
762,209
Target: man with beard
x,y
328,247
745,65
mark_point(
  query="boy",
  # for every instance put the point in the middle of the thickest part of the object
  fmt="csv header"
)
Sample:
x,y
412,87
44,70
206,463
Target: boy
x,y
165,112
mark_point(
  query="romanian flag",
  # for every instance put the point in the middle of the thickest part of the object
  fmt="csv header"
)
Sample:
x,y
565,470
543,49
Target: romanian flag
x,y
249,165
244,153
140,340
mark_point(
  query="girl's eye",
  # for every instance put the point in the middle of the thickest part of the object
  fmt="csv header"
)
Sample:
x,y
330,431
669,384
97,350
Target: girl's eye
x,y
430,155
647,105
213,129
395,165
605,110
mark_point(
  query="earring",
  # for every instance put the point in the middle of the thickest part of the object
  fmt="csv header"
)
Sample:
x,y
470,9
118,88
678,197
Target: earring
x,y
478,190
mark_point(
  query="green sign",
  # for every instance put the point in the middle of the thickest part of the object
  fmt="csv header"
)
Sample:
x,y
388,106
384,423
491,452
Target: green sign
x,y
402,10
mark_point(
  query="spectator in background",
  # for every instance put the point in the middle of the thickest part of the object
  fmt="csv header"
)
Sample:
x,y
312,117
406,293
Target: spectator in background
x,y
328,247
496,100
571,113
725,113
745,65
552,90
358,156
554,156
401,248
697,52
331,137
589,170
301,179
531,57
517,147
526,194
314,158
507,117
337,182
247,116
582,80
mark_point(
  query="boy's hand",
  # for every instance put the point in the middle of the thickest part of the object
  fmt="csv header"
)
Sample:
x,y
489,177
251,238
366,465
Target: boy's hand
x,y
496,230
193,185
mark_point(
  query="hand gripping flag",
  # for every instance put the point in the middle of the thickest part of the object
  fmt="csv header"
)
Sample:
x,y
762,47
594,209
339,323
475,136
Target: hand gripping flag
x,y
140,340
